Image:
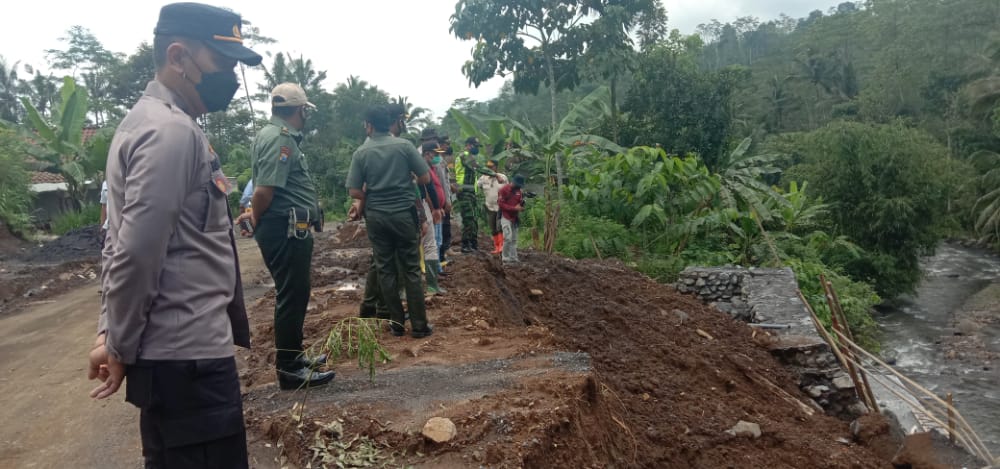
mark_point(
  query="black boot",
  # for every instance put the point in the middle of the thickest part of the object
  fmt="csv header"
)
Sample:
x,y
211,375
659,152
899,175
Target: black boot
x,y
303,378
474,244
367,311
466,246
312,362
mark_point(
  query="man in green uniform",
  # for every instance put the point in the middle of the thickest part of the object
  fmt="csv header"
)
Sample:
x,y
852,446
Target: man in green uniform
x,y
284,209
465,173
381,178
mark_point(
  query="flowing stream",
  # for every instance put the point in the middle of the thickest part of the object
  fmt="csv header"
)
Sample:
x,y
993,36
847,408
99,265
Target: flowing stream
x,y
915,326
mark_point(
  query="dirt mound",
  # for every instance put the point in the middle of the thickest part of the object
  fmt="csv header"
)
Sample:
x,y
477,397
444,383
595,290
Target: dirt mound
x,y
77,245
667,377
677,374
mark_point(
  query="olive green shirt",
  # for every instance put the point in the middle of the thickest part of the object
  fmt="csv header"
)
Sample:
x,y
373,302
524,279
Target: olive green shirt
x,y
279,163
384,165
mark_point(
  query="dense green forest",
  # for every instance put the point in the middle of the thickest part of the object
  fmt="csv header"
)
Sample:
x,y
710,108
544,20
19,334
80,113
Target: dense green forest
x,y
849,142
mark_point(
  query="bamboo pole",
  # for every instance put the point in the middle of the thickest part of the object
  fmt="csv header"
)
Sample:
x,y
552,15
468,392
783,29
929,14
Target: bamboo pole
x,y
851,370
951,417
866,387
958,416
822,330
966,438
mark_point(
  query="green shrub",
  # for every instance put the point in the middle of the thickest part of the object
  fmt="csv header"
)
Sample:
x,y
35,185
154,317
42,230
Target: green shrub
x,y
661,269
15,196
90,214
857,299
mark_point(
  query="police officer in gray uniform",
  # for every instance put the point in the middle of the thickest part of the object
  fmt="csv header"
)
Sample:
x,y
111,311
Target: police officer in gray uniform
x,y
173,299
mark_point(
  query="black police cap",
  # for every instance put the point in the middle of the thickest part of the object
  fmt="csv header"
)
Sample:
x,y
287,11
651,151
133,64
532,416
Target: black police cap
x,y
219,29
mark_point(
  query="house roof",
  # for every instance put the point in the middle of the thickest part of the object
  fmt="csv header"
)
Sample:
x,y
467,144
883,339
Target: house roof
x,y
41,177
89,132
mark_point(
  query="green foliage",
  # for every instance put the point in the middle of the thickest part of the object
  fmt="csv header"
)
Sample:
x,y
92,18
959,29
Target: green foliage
x,y
15,196
887,184
676,105
583,236
61,145
856,298
88,215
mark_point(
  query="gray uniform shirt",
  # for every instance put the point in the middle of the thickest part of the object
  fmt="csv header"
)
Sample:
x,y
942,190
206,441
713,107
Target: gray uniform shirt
x,y
170,273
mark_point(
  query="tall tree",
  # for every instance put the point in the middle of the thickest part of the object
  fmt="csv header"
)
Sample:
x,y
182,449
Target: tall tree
x,y
541,42
10,86
88,62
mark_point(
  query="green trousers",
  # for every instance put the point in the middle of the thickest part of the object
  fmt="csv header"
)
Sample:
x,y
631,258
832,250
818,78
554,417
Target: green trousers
x,y
396,234
467,208
372,304
289,260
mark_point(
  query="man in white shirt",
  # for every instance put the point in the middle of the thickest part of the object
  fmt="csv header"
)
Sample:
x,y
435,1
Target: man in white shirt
x,y
490,186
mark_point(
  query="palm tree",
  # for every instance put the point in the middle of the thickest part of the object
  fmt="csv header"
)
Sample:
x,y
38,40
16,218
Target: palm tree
x,y
10,86
286,69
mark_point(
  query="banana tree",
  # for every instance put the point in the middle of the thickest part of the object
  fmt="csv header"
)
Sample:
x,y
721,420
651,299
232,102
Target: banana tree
x,y
539,151
60,144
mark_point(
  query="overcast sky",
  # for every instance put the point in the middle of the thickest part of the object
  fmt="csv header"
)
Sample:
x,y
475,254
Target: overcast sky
x,y
403,46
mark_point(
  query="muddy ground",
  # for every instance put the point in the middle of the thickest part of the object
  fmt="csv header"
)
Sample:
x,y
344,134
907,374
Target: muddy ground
x,y
974,326
599,367
36,271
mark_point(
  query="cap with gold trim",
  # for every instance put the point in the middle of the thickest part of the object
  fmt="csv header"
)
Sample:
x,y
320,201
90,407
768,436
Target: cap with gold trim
x,y
218,28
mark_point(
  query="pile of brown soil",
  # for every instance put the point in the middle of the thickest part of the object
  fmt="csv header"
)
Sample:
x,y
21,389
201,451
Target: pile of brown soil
x,y
665,378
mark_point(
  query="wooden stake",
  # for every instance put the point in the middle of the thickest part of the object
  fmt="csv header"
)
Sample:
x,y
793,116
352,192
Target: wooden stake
x,y
951,418
835,319
866,389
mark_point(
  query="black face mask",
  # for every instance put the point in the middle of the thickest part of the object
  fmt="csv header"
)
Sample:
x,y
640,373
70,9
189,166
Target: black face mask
x,y
216,89
474,151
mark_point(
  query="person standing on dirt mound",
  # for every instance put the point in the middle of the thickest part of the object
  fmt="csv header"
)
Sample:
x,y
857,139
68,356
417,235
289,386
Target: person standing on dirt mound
x,y
283,211
173,298
490,187
511,202
465,172
381,178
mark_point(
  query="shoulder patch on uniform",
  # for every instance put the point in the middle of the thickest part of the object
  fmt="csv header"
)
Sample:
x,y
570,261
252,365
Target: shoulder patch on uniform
x,y
285,153
284,131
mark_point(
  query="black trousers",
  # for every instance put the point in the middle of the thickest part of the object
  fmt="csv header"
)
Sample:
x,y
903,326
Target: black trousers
x,y
445,236
289,260
190,413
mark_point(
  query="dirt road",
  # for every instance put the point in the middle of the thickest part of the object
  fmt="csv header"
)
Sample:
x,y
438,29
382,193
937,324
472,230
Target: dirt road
x,y
48,418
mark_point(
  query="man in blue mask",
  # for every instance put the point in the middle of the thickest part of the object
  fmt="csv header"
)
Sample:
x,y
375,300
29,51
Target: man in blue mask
x,y
173,299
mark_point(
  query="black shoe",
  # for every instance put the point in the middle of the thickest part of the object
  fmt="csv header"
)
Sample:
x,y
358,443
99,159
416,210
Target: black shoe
x,y
397,330
303,378
367,311
474,244
466,247
420,334
314,362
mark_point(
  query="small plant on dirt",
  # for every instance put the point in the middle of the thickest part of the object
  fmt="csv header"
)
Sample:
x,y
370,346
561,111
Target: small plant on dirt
x,y
357,337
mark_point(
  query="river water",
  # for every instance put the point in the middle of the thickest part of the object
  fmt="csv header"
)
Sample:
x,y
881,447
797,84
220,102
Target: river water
x,y
917,322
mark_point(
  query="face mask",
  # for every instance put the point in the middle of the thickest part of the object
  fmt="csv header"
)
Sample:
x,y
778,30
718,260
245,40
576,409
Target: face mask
x,y
436,160
216,89
474,151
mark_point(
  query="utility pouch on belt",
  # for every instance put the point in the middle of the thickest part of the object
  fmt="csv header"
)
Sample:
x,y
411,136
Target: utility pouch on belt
x,y
299,221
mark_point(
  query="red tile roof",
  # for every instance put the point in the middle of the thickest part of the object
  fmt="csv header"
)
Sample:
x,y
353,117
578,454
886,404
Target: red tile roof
x,y
89,132
39,177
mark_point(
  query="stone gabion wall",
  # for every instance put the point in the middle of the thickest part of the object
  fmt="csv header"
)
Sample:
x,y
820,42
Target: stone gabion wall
x,y
725,288
756,295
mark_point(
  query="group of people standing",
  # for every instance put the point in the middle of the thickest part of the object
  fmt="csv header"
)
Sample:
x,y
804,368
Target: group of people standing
x,y
172,305
406,197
